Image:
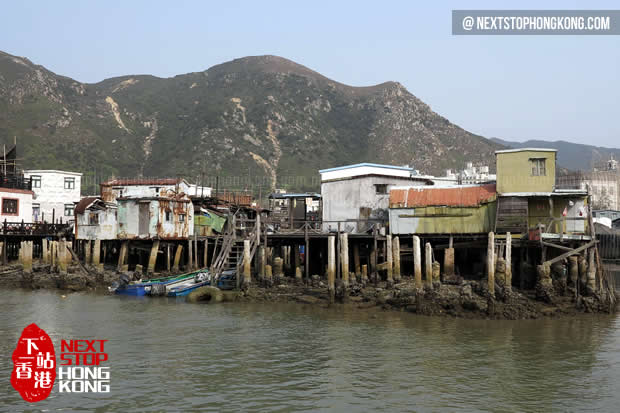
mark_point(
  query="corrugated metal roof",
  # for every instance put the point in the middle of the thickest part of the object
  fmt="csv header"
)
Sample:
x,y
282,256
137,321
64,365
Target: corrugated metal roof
x,y
373,165
85,203
145,181
467,196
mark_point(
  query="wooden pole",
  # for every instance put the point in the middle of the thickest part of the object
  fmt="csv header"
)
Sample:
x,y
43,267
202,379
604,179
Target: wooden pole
x,y
153,257
396,259
247,263
168,257
356,259
196,266
508,261
177,258
491,264
87,253
428,265
261,262
390,260
190,257
96,252
331,267
344,259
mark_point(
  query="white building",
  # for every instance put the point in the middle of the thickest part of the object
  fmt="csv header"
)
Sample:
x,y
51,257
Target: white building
x,y
55,194
357,196
95,219
15,205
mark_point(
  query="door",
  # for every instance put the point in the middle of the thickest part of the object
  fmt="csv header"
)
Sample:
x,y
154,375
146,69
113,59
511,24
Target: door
x,y
144,217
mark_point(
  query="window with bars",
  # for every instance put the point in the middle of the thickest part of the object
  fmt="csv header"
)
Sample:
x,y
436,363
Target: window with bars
x,y
10,206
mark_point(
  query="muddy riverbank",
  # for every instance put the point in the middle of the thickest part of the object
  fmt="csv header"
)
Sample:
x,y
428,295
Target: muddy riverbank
x,y
468,299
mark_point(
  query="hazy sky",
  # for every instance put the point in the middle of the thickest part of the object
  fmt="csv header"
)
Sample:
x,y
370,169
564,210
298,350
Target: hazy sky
x,y
512,87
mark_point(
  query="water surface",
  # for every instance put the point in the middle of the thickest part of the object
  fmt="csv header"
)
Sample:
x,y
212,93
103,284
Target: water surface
x,y
168,355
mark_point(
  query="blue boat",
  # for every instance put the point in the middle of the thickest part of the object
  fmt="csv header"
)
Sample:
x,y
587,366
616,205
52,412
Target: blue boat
x,y
156,286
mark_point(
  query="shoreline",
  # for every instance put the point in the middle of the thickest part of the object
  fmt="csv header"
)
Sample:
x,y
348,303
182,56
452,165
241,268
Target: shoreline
x,y
469,299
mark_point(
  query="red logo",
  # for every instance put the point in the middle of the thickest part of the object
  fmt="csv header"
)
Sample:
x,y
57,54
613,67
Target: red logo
x,y
34,364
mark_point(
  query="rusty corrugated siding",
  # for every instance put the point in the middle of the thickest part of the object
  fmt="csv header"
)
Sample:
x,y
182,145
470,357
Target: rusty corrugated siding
x,y
470,196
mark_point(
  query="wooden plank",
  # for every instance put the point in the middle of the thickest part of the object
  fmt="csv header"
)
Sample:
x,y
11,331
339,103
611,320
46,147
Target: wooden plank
x,y
569,253
560,247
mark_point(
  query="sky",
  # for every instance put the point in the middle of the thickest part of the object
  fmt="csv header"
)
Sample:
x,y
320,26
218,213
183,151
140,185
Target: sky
x,y
510,87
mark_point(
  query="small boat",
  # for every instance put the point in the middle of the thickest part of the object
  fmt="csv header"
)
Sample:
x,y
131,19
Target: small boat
x,y
186,286
154,286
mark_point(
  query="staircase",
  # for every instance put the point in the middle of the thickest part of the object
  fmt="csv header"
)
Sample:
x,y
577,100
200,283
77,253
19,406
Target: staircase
x,y
230,255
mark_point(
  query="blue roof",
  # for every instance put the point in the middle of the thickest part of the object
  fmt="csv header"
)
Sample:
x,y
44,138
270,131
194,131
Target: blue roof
x,y
357,165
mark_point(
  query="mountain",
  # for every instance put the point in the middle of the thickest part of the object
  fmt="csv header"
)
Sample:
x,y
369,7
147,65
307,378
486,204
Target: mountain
x,y
260,120
572,156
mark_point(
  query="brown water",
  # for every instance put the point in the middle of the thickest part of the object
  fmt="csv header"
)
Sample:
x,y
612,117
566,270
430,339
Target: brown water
x,y
168,355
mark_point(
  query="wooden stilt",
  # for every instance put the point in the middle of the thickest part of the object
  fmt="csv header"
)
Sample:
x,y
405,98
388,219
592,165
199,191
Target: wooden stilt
x,y
417,262
428,265
491,264
153,257
331,267
177,258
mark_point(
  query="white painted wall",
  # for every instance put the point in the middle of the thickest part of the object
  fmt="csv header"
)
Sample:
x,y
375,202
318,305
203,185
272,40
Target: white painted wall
x,y
105,230
343,199
52,194
24,205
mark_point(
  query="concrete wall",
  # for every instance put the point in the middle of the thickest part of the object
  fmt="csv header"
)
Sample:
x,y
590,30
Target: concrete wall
x,y
159,227
343,200
52,194
24,205
105,230
514,172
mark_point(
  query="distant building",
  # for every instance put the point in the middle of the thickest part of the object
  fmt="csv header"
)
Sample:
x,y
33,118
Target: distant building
x,y
56,193
358,195
471,175
15,190
603,184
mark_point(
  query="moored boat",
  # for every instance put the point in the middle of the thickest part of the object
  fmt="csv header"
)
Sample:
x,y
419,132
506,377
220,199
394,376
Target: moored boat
x,y
202,278
154,286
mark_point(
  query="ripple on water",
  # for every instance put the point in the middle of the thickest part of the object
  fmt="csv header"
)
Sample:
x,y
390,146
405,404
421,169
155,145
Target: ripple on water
x,y
231,357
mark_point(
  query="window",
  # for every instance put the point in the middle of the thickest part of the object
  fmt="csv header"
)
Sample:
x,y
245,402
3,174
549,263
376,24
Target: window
x,y
69,210
10,206
381,188
181,217
93,218
69,183
36,212
36,181
168,216
538,166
